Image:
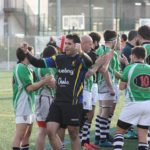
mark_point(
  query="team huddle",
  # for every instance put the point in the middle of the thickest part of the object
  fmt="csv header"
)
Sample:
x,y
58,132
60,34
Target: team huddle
x,y
63,88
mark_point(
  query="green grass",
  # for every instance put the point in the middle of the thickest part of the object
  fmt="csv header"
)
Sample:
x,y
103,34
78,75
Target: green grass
x,y
7,123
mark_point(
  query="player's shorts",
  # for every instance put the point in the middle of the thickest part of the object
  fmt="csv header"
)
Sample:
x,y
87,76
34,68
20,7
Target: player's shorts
x,y
65,114
26,119
94,94
42,109
103,92
136,113
116,89
87,100
23,112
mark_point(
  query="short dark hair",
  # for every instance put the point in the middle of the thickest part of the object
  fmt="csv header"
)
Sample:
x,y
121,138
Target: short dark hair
x,y
124,37
49,51
110,35
139,52
20,55
74,37
144,32
132,34
95,37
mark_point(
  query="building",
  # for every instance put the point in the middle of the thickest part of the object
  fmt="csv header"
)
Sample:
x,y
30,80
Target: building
x,y
23,17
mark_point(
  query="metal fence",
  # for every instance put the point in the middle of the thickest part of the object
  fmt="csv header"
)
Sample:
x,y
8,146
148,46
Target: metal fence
x,y
8,46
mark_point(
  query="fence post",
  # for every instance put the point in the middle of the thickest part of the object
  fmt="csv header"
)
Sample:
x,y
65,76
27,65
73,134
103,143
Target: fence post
x,y
8,53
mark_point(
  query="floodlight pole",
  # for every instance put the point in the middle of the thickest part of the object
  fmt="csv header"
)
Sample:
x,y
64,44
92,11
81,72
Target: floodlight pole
x,y
58,17
114,13
90,15
8,53
39,17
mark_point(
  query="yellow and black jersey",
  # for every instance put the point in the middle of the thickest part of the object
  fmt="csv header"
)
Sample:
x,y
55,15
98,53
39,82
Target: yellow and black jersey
x,y
70,77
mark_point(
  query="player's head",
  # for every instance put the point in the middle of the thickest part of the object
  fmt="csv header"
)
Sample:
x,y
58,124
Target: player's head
x,y
96,39
49,51
86,43
70,44
133,37
51,42
144,33
138,53
123,37
110,37
20,55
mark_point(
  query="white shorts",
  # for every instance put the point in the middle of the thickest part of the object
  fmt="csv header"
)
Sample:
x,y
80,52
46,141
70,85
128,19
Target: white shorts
x,y
105,96
94,94
42,106
87,100
103,92
116,89
136,113
27,119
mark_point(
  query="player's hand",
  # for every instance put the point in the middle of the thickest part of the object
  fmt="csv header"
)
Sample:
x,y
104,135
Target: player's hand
x,y
24,47
111,91
49,80
78,48
123,59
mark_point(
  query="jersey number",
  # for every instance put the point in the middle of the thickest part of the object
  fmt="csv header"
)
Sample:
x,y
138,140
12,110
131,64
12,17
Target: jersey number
x,y
142,81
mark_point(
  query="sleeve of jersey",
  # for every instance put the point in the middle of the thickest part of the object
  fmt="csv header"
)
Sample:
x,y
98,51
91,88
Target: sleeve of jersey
x,y
35,61
125,74
117,67
87,61
24,76
99,51
50,62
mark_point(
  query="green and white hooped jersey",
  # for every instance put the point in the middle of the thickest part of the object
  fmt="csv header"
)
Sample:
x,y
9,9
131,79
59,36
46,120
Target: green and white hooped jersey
x,y
111,69
40,73
88,83
23,101
137,76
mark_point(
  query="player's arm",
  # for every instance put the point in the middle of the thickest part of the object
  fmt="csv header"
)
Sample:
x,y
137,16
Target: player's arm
x,y
102,63
118,75
108,82
40,63
47,80
124,79
86,59
37,62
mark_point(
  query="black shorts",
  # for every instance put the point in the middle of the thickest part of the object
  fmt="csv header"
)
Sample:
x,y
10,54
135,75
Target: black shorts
x,y
65,114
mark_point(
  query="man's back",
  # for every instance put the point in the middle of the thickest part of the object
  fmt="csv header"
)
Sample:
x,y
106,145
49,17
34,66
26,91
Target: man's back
x,y
138,77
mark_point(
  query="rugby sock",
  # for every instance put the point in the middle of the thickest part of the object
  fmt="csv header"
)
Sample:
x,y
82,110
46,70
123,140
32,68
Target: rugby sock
x,y
85,133
25,147
108,127
142,146
148,137
88,133
63,146
118,142
103,128
80,134
16,148
97,128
